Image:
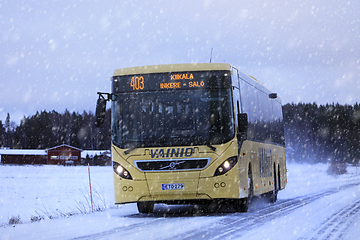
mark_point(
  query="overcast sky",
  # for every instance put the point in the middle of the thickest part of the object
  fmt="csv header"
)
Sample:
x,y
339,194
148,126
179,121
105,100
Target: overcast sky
x,y
56,55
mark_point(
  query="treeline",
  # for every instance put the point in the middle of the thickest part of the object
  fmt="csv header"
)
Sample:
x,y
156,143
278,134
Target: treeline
x,y
313,133
320,133
48,129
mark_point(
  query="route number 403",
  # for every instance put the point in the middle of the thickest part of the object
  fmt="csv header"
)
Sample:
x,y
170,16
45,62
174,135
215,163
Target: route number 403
x,y
137,83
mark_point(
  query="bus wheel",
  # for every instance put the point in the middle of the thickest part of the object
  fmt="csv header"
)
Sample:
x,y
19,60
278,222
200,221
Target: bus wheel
x,y
250,185
145,207
274,192
212,206
273,196
241,205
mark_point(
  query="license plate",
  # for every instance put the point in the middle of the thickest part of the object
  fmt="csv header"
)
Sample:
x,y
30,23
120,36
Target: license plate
x,y
173,186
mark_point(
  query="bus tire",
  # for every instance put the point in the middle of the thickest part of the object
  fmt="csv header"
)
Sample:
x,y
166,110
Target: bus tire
x,y
241,205
145,207
250,185
212,207
279,179
274,192
273,196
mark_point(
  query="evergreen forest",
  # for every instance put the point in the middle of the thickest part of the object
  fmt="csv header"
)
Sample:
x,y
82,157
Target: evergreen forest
x,y
322,133
49,129
313,133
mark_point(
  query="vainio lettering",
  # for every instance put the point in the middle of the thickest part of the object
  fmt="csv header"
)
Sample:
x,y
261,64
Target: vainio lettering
x,y
171,152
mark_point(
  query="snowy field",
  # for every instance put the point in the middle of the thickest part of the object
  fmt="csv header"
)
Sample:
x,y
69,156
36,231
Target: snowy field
x,y
52,191
45,199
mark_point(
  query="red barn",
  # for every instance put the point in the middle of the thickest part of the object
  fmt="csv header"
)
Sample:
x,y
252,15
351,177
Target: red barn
x,y
63,155
22,156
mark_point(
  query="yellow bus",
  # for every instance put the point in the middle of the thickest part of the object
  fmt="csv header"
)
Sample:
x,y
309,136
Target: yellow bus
x,y
193,134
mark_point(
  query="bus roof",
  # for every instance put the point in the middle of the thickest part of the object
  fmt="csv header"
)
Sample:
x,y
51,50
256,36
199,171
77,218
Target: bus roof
x,y
172,68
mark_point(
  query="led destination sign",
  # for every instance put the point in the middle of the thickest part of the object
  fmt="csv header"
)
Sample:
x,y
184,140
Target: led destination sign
x,y
171,81
182,76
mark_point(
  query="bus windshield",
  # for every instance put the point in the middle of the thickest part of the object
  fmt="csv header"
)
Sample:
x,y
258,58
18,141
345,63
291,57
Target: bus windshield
x,y
172,118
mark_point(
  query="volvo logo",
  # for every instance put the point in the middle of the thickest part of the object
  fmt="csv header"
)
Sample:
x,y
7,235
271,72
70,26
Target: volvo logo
x,y
172,165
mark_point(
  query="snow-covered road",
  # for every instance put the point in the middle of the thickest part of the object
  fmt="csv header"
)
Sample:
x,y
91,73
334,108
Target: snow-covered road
x,y
313,206
331,214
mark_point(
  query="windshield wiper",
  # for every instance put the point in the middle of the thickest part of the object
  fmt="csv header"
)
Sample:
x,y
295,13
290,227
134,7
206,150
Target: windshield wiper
x,y
126,152
175,139
133,145
137,144
204,142
211,146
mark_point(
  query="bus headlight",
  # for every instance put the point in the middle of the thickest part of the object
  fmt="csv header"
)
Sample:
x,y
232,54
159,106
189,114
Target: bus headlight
x,y
226,166
121,171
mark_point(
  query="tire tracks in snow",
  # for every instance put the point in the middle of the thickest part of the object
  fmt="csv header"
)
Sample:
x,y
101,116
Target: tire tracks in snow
x,y
336,225
235,225
127,230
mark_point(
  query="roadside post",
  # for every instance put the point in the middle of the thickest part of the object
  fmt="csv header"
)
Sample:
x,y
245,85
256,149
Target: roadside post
x,y
91,199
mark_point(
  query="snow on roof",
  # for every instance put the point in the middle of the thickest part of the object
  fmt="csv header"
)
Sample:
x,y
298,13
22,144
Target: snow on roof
x,y
23,152
91,153
64,145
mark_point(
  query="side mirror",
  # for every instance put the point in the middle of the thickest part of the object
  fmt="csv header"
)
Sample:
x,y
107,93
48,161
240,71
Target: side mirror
x,y
243,125
273,95
100,112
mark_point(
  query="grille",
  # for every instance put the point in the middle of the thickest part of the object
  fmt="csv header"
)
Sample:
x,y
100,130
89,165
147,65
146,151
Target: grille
x,y
172,164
